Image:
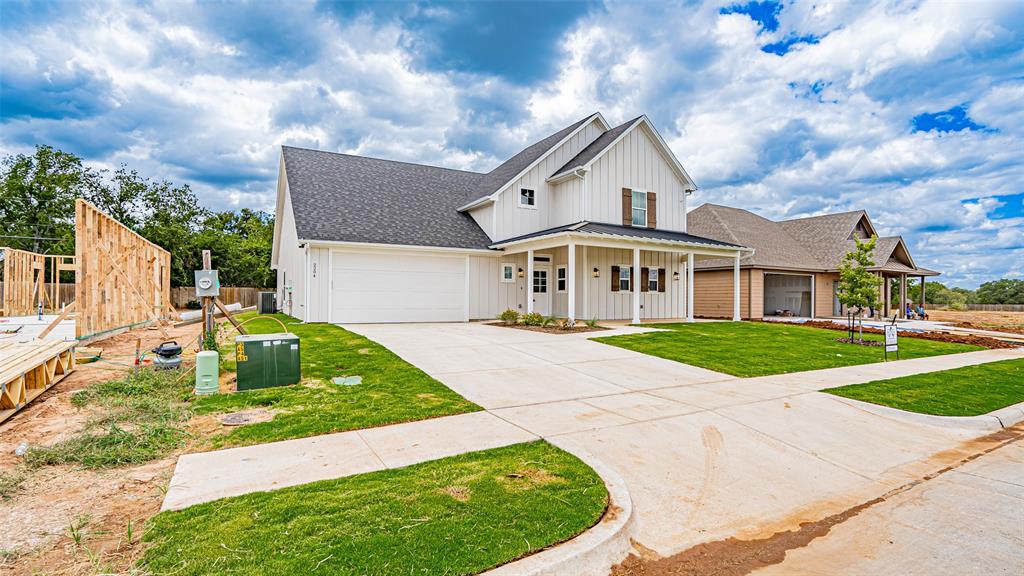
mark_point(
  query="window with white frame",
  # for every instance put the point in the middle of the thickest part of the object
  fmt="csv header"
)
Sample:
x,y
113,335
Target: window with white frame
x,y
560,279
508,272
652,279
624,278
527,198
639,208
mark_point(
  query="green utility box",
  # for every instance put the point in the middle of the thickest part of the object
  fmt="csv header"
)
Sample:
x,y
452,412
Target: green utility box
x,y
266,360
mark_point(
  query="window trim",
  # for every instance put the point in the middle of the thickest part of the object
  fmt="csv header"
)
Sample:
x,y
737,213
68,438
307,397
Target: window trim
x,y
628,270
632,207
510,266
561,284
519,199
656,287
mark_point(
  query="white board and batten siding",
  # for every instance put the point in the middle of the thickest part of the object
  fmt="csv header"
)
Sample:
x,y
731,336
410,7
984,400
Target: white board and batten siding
x,y
291,265
550,209
369,287
635,162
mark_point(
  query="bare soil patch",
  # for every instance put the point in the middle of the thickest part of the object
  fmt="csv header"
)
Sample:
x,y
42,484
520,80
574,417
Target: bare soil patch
x,y
551,329
937,336
981,319
35,523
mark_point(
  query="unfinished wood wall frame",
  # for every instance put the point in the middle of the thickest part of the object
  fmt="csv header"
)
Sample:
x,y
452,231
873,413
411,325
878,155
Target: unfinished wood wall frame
x,y
30,279
28,369
124,280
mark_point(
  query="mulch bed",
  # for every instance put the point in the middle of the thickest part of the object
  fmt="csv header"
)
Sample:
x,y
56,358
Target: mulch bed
x,y
973,326
937,336
551,329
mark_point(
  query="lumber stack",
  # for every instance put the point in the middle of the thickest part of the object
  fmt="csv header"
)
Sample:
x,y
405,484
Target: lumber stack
x,y
27,369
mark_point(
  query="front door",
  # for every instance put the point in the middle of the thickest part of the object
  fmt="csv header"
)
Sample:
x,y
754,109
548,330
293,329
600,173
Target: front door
x,y
542,290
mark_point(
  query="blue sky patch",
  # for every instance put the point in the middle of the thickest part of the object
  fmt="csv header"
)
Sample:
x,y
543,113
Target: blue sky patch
x,y
764,13
782,47
953,120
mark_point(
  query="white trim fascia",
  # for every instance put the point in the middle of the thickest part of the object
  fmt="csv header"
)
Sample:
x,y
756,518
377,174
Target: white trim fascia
x,y
501,189
399,247
668,151
586,167
275,249
615,241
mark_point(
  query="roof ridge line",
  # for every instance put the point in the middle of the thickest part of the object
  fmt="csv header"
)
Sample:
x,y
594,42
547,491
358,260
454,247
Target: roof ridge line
x,y
406,162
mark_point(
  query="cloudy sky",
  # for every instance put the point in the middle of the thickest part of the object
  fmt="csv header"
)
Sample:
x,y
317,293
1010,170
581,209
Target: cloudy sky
x,y
913,111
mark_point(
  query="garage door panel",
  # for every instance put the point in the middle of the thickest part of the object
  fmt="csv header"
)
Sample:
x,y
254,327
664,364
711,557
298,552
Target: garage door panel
x,y
398,288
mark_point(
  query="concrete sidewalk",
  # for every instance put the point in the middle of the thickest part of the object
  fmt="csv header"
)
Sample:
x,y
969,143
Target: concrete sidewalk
x,y
208,476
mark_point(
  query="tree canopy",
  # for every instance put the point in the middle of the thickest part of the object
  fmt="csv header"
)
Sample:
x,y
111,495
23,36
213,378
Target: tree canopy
x,y
37,208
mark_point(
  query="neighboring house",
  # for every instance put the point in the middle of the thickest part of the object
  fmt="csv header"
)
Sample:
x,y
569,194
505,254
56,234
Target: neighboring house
x,y
589,222
794,269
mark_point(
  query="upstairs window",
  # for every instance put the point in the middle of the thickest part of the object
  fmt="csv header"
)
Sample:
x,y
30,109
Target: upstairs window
x,y
639,208
527,198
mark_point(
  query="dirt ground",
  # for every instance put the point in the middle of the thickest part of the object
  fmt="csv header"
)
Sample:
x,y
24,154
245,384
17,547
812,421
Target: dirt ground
x,y
1000,321
37,523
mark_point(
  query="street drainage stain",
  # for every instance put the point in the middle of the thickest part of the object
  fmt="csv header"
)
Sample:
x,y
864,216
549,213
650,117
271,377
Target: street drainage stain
x,y
734,557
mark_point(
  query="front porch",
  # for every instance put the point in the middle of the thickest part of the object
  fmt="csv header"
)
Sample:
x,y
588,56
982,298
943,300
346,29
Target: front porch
x,y
609,272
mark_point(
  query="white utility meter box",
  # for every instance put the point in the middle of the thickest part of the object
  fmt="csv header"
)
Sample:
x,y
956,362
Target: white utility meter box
x,y
207,283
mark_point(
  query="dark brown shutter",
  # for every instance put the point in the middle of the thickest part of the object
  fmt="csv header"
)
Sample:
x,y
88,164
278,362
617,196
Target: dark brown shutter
x,y
644,286
615,278
652,210
661,279
627,207
632,279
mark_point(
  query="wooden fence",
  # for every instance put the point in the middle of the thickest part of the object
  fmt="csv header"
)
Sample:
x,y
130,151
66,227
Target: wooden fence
x,y
123,279
997,307
244,295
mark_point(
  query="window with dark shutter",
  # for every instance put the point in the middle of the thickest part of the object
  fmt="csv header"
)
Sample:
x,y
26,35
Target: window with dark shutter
x,y
661,279
615,278
652,210
627,207
645,285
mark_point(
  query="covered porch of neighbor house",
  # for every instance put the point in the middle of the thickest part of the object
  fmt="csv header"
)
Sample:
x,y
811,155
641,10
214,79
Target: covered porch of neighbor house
x,y
901,273
609,272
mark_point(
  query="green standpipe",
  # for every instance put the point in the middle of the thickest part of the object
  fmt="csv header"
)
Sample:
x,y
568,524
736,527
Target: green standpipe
x,y
207,366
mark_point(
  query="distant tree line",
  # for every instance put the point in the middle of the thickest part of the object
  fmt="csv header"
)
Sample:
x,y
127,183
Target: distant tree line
x,y
37,213
1005,291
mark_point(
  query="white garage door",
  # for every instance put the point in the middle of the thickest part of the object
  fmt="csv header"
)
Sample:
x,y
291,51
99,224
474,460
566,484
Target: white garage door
x,y
397,288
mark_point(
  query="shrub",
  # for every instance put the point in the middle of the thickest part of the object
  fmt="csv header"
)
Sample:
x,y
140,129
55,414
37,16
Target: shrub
x,y
533,319
548,321
509,316
193,305
592,322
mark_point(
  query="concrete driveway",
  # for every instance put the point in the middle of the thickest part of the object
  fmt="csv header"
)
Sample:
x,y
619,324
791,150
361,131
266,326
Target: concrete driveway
x,y
706,456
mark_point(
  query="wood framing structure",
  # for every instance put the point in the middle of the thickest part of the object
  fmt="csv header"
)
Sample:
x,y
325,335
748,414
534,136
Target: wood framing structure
x,y
30,279
28,369
123,279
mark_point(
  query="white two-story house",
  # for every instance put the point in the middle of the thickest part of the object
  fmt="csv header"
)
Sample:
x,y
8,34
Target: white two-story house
x,y
589,222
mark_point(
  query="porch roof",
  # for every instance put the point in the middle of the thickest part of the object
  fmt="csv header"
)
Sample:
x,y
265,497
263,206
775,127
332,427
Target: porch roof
x,y
611,231
894,266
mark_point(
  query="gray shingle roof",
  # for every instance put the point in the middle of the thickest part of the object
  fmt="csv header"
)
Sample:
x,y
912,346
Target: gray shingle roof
x,y
619,230
338,197
773,246
596,147
827,237
507,170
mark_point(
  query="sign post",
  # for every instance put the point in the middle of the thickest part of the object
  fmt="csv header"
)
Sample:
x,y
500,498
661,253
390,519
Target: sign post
x,y
891,341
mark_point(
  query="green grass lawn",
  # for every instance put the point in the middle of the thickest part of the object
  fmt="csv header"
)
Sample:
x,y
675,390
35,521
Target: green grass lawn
x,y
750,349
967,391
458,515
392,390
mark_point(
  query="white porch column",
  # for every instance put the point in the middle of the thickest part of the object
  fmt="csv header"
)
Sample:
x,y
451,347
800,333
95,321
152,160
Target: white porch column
x,y
689,287
633,277
529,281
587,277
571,282
736,287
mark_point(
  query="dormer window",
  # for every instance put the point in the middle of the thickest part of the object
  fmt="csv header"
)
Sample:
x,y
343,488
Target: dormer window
x,y
639,208
527,198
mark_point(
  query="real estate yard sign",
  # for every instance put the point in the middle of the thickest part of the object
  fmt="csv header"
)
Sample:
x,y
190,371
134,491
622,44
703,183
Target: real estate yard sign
x,y
891,341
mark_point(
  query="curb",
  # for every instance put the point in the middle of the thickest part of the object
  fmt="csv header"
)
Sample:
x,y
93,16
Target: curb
x,y
593,552
991,422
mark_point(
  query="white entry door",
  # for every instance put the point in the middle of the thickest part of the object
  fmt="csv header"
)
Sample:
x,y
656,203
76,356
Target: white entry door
x,y
416,287
542,290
